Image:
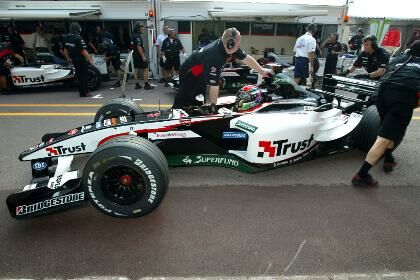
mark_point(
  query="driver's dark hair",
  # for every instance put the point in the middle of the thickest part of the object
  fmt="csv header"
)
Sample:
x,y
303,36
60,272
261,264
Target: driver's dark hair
x,y
312,28
415,48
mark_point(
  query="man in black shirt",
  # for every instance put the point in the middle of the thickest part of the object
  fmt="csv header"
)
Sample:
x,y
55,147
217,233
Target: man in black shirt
x,y
14,41
170,49
108,47
75,51
57,44
355,42
139,57
374,59
204,67
398,95
334,48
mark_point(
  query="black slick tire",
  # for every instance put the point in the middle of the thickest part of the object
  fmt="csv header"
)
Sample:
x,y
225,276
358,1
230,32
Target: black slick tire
x,y
365,133
95,78
126,177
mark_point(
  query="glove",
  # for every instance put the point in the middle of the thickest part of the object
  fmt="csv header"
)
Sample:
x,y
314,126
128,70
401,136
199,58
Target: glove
x,y
344,73
164,59
361,76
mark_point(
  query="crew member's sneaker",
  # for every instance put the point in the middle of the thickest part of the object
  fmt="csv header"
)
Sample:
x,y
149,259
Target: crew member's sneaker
x,y
161,81
117,84
147,86
367,182
87,94
137,86
389,166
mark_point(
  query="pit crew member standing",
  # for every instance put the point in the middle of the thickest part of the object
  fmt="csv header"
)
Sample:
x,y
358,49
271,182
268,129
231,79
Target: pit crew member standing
x,y
204,67
304,59
334,49
373,59
158,44
6,55
355,42
399,94
139,57
171,47
76,53
13,41
57,44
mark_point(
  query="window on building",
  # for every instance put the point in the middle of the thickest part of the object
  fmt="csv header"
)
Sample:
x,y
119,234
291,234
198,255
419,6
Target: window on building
x,y
243,27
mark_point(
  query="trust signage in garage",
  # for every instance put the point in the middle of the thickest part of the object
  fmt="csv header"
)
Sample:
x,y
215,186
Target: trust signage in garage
x,y
262,28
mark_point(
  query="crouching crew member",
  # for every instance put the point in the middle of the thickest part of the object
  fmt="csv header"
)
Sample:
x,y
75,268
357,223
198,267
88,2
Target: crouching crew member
x,y
76,53
204,67
398,95
373,59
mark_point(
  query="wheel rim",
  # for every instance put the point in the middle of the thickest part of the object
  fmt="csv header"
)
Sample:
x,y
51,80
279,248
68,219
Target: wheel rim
x,y
123,185
92,79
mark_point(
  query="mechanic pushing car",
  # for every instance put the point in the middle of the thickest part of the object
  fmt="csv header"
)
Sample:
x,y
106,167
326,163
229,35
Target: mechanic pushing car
x,y
204,67
373,58
6,57
76,53
398,95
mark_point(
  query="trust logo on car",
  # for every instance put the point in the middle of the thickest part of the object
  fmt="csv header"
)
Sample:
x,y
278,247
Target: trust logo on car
x,y
23,79
281,147
61,150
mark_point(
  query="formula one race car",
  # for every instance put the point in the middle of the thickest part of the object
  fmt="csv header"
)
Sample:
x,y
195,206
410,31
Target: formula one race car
x,y
47,71
126,174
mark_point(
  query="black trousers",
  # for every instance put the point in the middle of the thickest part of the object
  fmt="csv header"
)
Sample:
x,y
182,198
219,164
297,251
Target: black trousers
x,y
82,75
189,88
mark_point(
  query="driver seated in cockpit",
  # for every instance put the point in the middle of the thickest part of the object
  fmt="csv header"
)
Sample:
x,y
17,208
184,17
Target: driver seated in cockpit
x,y
248,97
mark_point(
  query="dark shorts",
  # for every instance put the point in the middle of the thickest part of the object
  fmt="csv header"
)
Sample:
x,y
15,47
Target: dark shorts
x,y
301,67
395,113
115,61
4,71
172,62
139,63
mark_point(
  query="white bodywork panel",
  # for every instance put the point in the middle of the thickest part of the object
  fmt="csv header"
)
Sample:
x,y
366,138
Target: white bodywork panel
x,y
24,76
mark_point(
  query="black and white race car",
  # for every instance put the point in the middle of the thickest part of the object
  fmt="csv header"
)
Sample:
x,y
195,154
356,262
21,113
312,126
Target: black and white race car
x,y
126,173
46,70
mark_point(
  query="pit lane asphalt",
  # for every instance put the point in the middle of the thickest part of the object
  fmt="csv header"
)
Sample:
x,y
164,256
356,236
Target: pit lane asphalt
x,y
298,220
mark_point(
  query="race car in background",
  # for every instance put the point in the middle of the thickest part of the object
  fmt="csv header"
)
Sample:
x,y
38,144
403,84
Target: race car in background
x,y
129,150
46,70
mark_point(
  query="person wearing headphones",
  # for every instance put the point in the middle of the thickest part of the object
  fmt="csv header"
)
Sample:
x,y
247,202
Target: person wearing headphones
x,y
398,96
305,54
75,51
204,67
373,59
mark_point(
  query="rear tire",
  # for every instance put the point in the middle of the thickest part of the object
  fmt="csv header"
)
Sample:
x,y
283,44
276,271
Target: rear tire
x,y
365,133
116,108
126,177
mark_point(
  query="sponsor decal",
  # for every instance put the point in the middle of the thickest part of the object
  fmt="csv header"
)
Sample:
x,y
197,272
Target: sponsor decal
x,y
85,128
234,135
61,150
55,182
172,135
153,115
212,81
246,126
211,159
114,121
37,146
123,119
50,141
151,178
23,79
308,108
186,121
98,124
49,203
281,147
72,132
39,165
107,122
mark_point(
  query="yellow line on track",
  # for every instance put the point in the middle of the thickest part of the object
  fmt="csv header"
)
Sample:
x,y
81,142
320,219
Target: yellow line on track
x,y
79,105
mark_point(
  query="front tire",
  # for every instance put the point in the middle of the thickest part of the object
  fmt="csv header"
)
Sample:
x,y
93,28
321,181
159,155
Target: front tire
x,y
94,78
127,177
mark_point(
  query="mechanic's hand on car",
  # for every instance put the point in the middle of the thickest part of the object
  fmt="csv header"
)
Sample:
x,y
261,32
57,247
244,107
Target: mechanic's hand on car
x,y
344,73
144,59
361,76
267,73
